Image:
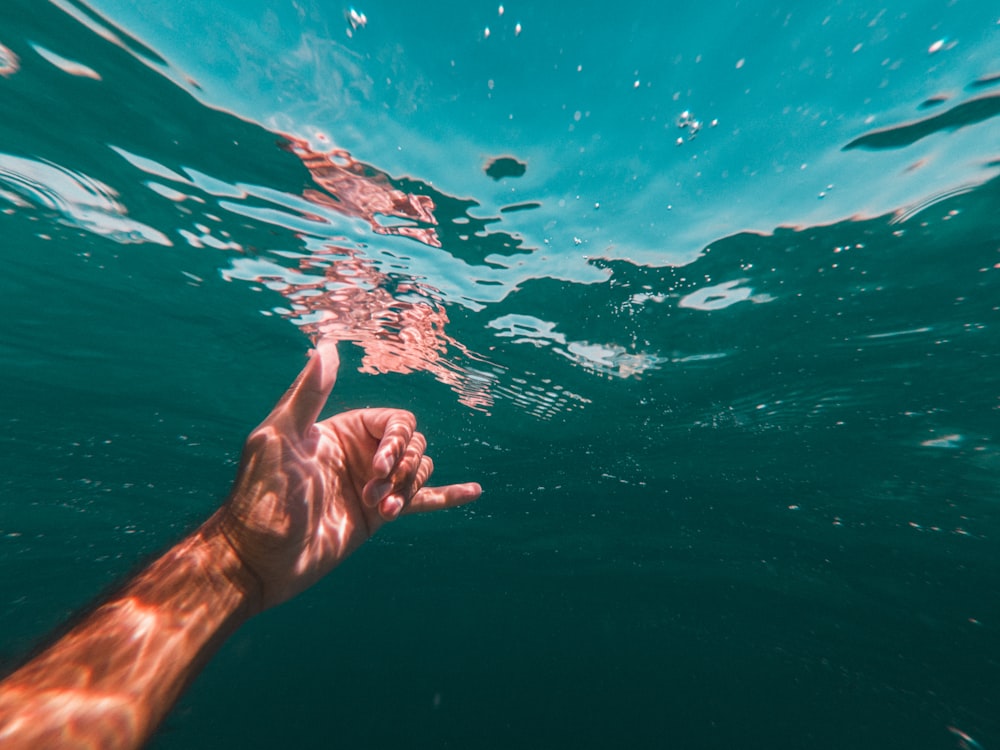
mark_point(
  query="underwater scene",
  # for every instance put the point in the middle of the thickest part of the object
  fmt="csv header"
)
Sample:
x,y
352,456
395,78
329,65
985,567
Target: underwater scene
x,y
706,297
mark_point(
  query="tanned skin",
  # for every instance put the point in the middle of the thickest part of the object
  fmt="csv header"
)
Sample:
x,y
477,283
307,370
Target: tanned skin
x,y
306,495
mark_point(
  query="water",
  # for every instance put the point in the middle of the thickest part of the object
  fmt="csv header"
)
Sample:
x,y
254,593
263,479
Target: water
x,y
724,356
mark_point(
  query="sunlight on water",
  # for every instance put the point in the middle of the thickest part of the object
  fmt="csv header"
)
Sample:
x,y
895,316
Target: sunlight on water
x,y
391,298
81,201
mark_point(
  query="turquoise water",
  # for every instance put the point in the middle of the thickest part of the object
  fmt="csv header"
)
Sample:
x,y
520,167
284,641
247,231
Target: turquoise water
x,y
724,357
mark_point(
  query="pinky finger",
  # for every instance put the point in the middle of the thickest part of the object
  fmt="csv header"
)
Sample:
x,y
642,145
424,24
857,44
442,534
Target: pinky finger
x,y
438,498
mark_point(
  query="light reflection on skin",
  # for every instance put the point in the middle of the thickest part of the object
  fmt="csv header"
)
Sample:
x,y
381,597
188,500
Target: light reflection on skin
x,y
306,495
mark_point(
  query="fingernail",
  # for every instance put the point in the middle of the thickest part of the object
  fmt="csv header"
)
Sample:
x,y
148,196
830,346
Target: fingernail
x,y
382,465
391,507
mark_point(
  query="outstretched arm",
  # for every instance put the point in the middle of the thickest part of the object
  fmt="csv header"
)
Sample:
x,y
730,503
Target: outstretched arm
x,y
307,494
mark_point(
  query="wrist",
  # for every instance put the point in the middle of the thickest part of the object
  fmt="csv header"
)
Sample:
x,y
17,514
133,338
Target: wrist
x,y
222,566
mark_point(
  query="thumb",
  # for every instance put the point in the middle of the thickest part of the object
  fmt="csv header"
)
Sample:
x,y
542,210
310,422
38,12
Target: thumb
x,y
302,403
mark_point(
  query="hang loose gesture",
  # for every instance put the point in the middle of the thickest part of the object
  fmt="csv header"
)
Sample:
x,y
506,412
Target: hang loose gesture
x,y
306,495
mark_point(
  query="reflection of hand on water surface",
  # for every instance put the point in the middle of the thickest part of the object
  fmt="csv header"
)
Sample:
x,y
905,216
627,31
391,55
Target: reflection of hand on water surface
x,y
352,302
356,189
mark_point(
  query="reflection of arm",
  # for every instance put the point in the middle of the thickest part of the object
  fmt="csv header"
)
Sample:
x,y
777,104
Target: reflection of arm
x,y
112,678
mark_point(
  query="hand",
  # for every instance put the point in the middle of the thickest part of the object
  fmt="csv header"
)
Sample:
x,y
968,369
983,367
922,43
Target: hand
x,y
308,494
305,497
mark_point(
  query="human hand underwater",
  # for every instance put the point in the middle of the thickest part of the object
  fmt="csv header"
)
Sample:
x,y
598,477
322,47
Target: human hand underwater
x,y
307,494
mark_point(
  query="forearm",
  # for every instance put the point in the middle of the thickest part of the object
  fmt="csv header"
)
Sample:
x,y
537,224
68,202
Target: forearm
x,y
113,677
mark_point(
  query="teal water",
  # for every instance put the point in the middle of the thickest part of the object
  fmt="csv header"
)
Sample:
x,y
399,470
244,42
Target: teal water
x,y
733,399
